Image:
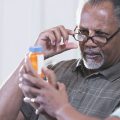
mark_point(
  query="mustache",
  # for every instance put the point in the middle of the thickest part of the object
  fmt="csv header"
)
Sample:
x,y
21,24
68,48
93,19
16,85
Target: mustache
x,y
93,51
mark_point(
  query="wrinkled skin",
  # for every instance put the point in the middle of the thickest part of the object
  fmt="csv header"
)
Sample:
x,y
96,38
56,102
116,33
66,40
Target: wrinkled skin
x,y
100,18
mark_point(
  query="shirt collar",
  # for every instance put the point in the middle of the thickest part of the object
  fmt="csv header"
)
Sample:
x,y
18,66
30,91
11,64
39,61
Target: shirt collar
x,y
111,73
76,64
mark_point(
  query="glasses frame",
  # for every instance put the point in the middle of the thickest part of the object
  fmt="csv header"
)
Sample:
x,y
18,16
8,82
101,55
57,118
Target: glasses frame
x,y
92,37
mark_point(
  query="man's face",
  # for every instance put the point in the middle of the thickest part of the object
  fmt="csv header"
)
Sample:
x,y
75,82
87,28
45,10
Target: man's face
x,y
100,21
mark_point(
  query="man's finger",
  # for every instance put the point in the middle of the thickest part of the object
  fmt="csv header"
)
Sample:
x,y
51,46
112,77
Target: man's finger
x,y
39,110
50,75
30,101
35,81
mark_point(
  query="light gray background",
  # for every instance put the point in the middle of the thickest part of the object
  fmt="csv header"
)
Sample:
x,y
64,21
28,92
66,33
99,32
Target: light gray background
x,y
21,21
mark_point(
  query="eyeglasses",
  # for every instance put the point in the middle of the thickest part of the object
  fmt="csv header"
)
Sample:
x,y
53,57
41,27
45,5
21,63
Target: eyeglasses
x,y
100,40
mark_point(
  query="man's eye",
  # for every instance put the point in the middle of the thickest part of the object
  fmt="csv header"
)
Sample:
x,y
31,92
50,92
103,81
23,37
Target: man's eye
x,y
102,34
84,32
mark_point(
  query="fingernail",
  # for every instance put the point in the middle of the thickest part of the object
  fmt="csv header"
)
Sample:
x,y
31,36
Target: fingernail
x,y
20,79
36,111
27,99
33,100
20,85
25,75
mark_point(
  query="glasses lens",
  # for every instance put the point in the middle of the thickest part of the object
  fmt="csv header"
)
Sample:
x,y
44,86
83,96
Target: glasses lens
x,y
100,39
80,37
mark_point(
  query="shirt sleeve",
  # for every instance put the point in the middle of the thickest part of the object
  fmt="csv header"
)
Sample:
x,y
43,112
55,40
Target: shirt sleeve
x,y
28,112
116,113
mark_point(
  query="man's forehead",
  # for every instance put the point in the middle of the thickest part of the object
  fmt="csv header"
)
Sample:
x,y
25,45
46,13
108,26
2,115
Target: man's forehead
x,y
99,15
103,6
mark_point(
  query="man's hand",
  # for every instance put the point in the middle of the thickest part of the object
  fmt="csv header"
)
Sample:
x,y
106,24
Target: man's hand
x,y
52,100
49,95
56,40
49,98
27,69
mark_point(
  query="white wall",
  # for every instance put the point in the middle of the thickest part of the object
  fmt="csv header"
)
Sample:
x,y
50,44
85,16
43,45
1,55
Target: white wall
x,y
1,4
20,26
22,20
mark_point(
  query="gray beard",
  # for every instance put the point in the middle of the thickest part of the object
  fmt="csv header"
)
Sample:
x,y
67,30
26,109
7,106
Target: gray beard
x,y
92,64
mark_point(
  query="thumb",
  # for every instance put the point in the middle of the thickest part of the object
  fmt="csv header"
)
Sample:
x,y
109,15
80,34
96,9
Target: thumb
x,y
50,76
61,86
71,45
68,46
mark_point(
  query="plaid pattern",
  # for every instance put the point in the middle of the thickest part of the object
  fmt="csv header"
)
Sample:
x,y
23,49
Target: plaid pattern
x,y
97,94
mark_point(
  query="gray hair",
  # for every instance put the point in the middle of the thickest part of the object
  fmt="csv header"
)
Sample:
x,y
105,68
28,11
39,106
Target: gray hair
x,y
116,5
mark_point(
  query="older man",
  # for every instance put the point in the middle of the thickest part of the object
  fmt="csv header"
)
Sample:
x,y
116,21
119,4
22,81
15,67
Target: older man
x,y
51,99
93,82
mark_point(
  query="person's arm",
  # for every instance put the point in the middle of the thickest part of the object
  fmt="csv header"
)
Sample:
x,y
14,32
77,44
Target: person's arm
x,y
10,94
68,112
11,98
51,40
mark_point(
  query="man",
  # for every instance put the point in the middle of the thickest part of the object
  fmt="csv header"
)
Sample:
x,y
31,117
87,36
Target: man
x,y
51,99
93,83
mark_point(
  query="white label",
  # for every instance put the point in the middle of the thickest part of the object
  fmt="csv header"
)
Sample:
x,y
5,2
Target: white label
x,y
40,60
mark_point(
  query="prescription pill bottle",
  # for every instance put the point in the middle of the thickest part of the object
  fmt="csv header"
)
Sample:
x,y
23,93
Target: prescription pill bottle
x,y
36,56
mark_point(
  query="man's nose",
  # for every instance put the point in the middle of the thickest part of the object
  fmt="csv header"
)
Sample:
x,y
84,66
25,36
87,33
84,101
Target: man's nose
x,y
91,33
90,43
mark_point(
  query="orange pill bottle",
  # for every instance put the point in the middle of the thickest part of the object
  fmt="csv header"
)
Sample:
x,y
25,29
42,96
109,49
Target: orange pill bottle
x,y
36,56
